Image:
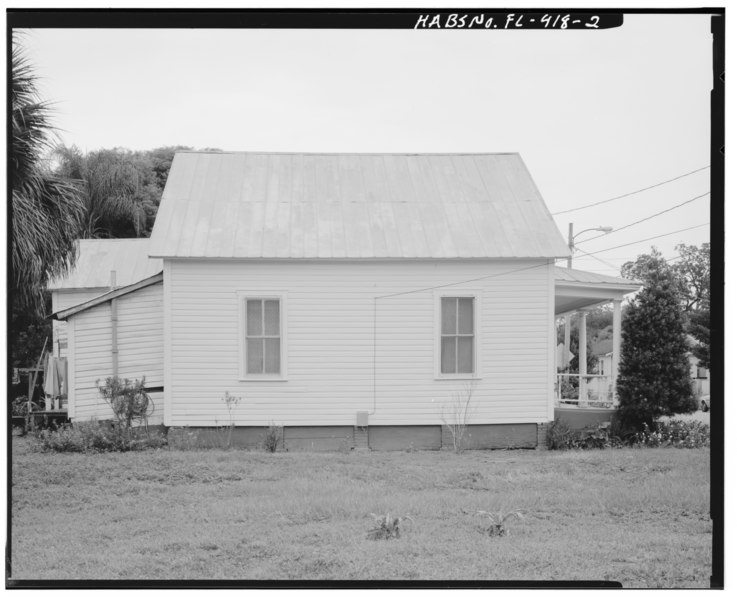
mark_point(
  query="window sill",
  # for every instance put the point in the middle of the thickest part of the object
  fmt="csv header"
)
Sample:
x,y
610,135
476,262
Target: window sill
x,y
262,379
468,377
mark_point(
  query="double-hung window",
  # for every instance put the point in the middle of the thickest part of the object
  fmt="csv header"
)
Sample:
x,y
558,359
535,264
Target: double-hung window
x,y
457,335
263,337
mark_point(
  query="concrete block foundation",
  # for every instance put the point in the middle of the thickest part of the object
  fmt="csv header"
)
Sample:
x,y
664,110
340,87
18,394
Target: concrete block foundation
x,y
373,437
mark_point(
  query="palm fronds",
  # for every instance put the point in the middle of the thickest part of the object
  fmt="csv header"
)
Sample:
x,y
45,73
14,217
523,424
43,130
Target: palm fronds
x,y
46,210
112,190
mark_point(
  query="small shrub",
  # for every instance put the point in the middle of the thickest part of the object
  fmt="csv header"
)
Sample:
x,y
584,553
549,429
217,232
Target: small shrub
x,y
129,400
272,437
496,526
562,437
94,436
676,434
387,527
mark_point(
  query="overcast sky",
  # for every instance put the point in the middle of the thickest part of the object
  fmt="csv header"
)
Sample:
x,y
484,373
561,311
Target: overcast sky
x,y
594,114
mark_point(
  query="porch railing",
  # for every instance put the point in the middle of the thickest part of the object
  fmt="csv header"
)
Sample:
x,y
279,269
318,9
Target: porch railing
x,y
585,390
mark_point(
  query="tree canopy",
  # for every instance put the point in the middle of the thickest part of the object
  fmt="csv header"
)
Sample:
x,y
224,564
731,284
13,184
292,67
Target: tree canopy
x,y
691,274
654,370
121,189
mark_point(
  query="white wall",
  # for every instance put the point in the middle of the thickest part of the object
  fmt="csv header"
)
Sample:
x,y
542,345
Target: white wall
x,y
330,349
140,351
61,299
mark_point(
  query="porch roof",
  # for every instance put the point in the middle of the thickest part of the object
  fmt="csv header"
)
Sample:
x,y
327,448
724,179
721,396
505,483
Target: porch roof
x,y
575,289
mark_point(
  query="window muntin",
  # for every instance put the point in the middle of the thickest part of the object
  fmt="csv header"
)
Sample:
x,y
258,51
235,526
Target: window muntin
x,y
263,336
457,335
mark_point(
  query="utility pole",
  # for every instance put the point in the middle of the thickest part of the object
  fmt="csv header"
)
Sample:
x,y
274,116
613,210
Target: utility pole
x,y
567,326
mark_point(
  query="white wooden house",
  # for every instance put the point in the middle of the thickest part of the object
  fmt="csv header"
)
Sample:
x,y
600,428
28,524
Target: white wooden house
x,y
353,298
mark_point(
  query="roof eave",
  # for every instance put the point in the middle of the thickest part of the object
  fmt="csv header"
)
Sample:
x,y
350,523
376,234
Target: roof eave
x,y
63,315
625,288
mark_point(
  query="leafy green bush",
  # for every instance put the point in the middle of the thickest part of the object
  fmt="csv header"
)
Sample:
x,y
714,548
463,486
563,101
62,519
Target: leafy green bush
x,y
675,433
128,399
93,436
562,437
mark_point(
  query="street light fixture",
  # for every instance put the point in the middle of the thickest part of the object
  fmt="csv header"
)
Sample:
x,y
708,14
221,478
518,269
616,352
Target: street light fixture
x,y
571,237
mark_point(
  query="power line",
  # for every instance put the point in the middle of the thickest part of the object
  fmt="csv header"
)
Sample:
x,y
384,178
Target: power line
x,y
603,262
662,212
435,287
645,240
425,289
562,212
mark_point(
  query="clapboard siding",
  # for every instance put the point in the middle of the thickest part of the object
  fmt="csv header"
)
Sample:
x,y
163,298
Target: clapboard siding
x,y
61,299
140,351
92,362
330,351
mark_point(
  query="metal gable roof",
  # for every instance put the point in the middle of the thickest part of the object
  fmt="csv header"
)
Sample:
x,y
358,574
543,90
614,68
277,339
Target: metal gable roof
x,y
129,258
333,206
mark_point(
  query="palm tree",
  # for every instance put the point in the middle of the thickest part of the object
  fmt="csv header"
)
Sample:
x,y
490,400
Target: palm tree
x,y
112,190
46,209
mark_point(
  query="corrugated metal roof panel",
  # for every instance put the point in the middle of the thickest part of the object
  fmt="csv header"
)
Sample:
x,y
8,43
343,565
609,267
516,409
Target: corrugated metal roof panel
x,y
96,258
258,205
577,276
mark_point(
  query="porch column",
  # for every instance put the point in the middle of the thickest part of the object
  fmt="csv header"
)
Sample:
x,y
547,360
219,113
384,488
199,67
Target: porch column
x,y
616,343
567,339
583,396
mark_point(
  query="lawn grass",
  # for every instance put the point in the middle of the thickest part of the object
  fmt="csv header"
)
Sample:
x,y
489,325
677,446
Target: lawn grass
x,y
637,516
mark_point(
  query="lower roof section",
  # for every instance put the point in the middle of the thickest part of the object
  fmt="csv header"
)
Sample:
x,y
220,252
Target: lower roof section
x,y
575,289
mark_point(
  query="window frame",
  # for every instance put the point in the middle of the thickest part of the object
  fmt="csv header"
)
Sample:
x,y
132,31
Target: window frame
x,y
477,298
242,299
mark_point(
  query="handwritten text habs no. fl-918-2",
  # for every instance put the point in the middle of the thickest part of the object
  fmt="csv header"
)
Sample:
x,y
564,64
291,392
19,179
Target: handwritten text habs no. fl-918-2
x,y
508,21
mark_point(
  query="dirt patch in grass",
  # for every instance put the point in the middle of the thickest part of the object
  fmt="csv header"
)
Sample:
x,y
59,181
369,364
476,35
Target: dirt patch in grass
x,y
639,517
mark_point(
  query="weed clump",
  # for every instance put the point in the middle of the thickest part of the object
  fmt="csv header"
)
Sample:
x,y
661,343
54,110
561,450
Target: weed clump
x,y
272,438
562,437
460,414
94,436
496,526
387,527
676,433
